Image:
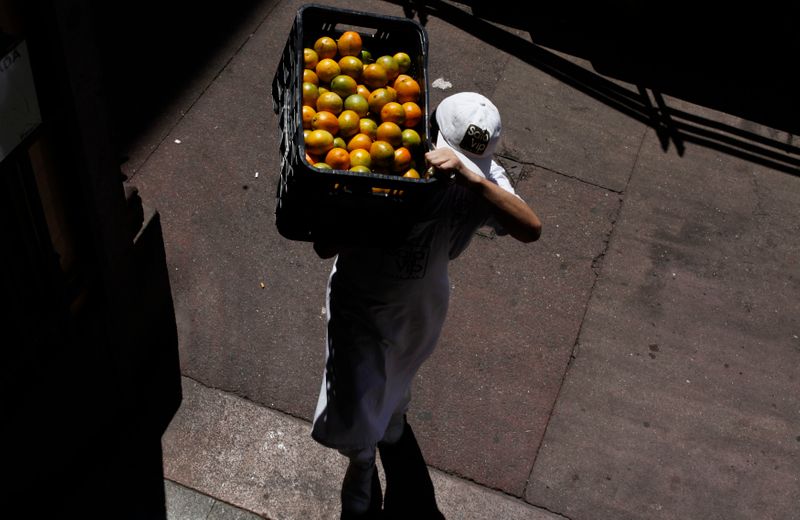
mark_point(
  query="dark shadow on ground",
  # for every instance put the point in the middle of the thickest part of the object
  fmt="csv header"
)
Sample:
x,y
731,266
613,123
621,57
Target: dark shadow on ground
x,y
150,50
739,62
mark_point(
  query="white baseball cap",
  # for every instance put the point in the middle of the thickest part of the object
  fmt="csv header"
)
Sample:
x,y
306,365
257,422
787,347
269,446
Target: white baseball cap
x,y
469,124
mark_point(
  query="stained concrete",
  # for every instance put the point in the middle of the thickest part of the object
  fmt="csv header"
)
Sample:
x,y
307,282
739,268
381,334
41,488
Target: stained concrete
x,y
639,361
680,402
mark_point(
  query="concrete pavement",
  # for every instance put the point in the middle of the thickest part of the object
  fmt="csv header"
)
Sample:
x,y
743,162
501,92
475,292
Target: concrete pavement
x,y
231,450
640,361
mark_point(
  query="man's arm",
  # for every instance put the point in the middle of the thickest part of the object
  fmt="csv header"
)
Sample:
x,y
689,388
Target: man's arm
x,y
511,212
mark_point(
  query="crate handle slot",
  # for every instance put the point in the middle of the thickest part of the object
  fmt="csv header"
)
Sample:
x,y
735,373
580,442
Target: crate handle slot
x,y
364,31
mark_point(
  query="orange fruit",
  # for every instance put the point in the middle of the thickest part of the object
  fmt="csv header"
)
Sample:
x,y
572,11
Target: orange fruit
x,y
403,61
390,133
343,85
382,153
366,56
369,127
374,76
393,112
310,159
411,138
319,142
360,157
323,120
338,159
322,90
360,168
376,100
338,142
411,174
413,114
400,78
391,66
351,66
407,90
308,114
310,58
322,166
309,76
362,90
330,102
349,43
401,160
327,69
358,104
392,93
310,94
359,142
306,131
326,47
348,123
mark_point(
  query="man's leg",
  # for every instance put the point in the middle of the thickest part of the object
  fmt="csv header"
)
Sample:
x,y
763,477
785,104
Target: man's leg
x,y
409,489
361,489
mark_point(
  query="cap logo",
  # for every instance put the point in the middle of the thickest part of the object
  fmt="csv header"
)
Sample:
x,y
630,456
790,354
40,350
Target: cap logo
x,y
475,140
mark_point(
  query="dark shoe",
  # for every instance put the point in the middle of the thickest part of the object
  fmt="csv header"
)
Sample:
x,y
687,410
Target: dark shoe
x,y
375,502
409,489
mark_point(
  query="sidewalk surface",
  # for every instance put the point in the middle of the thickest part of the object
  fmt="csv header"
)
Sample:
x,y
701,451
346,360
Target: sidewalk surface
x,y
641,361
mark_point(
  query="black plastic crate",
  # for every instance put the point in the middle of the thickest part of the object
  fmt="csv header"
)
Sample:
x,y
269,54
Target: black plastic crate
x,y
341,206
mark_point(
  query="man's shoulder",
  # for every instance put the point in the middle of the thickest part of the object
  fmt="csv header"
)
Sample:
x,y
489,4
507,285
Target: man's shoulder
x,y
499,176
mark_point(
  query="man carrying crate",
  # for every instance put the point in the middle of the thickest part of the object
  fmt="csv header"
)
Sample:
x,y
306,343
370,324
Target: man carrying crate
x,y
386,309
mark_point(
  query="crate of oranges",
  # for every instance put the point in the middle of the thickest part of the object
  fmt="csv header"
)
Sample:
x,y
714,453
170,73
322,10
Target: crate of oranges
x,y
351,91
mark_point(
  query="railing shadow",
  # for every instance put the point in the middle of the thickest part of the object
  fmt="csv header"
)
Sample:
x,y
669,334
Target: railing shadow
x,y
744,79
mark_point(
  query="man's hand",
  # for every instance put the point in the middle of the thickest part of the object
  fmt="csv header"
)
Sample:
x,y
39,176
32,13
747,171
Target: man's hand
x,y
445,159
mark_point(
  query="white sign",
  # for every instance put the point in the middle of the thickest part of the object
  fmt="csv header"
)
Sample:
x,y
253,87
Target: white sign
x,y
19,108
